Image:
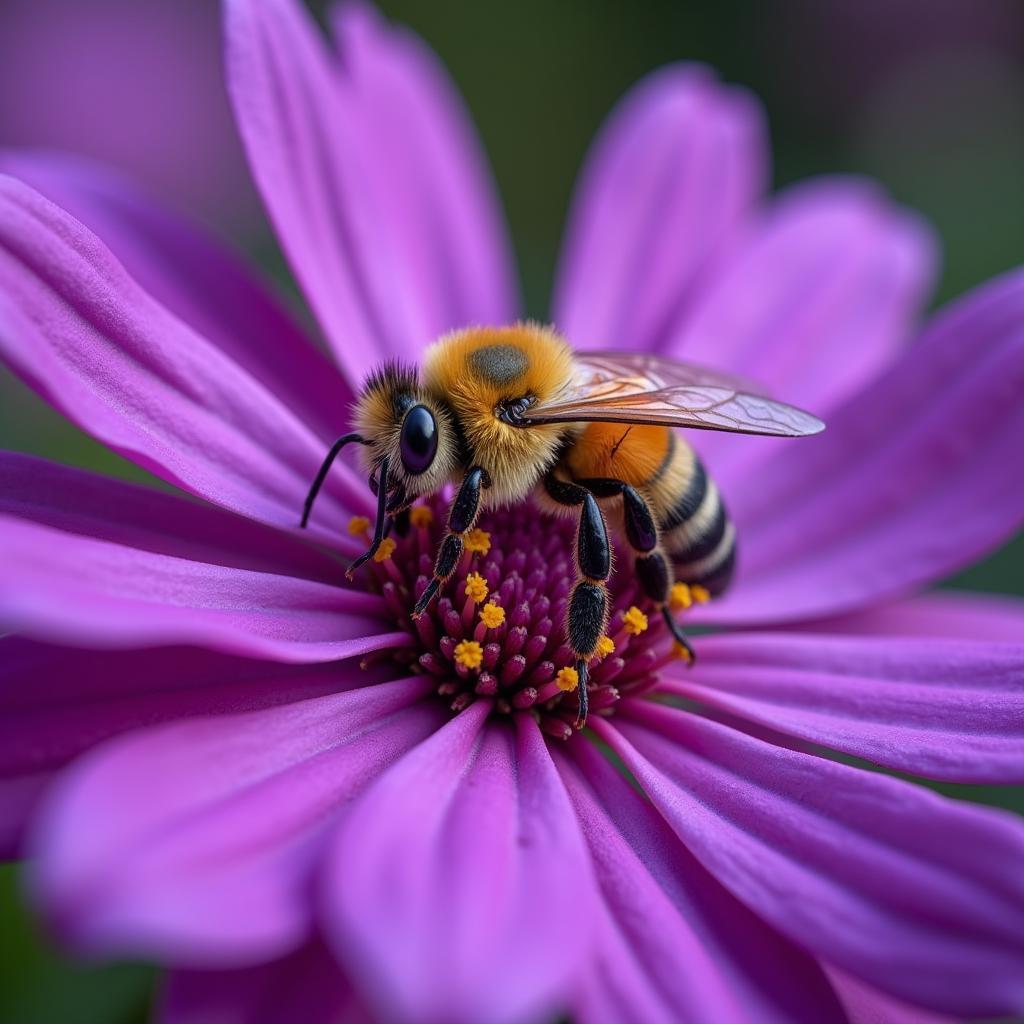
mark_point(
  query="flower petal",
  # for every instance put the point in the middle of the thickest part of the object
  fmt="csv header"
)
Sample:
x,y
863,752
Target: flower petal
x,y
56,702
196,278
910,481
916,895
944,614
194,841
820,294
357,231
459,889
674,945
306,986
864,1005
669,178
942,709
79,330
75,589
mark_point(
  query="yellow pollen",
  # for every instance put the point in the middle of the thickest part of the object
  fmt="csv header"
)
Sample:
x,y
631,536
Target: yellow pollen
x,y
700,594
476,587
635,621
681,597
567,679
386,550
680,652
492,615
469,654
358,525
421,516
478,541
605,646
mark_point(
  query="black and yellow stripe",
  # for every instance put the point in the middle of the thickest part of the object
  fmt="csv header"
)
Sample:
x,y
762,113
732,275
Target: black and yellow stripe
x,y
695,528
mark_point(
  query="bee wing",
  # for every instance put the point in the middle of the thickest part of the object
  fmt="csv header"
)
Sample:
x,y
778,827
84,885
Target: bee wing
x,y
625,387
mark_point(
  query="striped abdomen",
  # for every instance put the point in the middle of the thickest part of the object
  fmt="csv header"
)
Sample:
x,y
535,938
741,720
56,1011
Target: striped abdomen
x,y
695,527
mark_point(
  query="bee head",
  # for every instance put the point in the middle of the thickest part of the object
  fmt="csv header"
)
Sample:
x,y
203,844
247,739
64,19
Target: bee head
x,y
411,430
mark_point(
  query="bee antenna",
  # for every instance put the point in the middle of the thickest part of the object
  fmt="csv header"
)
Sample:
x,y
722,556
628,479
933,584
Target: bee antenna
x,y
322,473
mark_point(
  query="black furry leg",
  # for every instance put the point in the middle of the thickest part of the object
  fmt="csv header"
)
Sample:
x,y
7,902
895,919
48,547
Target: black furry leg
x,y
461,517
587,617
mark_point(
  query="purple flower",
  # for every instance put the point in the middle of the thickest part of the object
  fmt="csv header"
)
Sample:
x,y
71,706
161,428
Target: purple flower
x,y
274,796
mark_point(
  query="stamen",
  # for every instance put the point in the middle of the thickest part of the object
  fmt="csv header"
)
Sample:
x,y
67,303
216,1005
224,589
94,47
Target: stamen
x,y
605,646
681,597
568,679
358,525
681,652
476,588
386,549
421,516
469,654
491,615
478,541
700,594
634,621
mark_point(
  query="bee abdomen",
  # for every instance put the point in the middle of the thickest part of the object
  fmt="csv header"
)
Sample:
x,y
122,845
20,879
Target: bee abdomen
x,y
698,535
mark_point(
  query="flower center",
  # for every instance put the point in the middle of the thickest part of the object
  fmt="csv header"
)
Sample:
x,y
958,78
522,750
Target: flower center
x,y
497,629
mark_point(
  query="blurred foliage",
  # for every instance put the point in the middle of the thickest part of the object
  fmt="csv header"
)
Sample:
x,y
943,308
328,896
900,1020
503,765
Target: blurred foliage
x,y
925,95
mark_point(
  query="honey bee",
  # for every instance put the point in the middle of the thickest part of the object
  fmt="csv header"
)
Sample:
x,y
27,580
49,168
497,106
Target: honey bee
x,y
513,412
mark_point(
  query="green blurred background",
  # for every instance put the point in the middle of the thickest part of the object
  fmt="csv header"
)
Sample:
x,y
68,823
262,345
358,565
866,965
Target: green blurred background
x,y
925,95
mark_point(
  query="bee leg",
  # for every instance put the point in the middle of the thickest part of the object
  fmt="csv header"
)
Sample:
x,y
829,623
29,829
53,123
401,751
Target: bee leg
x,y
587,617
378,530
653,571
461,517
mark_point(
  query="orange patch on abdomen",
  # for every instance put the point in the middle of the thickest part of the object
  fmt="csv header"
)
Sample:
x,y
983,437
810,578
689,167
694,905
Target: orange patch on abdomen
x,y
631,453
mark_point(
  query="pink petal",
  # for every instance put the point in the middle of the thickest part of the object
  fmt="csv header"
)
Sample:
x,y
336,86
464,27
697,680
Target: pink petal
x,y
459,888
74,589
670,177
306,986
352,226
909,482
56,702
77,328
942,709
915,895
198,279
674,945
194,841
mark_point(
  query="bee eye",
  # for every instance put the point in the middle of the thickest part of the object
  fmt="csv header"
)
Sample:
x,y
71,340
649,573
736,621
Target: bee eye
x,y
419,440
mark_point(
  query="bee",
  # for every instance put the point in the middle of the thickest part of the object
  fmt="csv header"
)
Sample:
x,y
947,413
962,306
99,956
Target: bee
x,y
508,413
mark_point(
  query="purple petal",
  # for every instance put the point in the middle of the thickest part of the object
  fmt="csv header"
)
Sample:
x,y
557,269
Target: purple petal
x,y
78,329
77,590
819,296
433,186
459,888
674,945
942,709
306,986
863,1005
56,702
194,841
945,614
76,501
196,278
909,482
358,232
670,177
917,896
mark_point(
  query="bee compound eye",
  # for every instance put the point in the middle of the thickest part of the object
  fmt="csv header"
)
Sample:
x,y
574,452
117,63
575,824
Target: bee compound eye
x,y
419,440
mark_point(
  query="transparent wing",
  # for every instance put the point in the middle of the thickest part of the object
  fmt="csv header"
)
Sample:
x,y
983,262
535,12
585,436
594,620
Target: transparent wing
x,y
625,387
